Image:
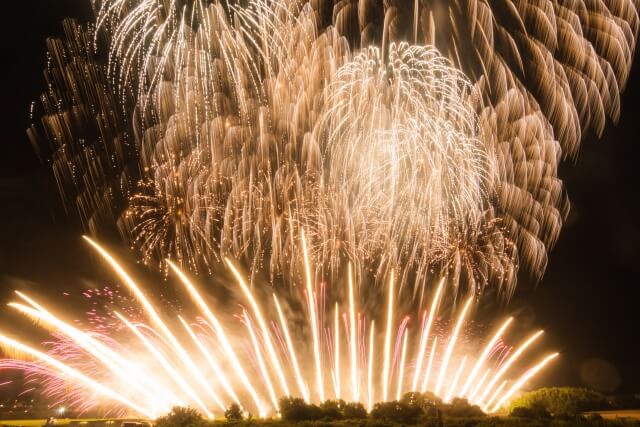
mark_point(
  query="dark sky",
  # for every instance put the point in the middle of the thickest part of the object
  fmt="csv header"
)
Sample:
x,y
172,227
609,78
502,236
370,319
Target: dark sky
x,y
588,301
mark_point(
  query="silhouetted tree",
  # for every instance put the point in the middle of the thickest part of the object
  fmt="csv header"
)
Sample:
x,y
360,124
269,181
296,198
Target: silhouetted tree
x,y
296,409
233,413
461,408
354,411
398,412
332,409
425,401
181,417
537,412
562,400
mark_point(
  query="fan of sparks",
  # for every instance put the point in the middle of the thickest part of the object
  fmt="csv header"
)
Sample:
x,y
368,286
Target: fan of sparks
x,y
152,363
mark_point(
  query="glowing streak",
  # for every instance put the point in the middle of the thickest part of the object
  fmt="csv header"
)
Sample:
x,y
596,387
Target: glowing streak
x,y
452,343
148,307
355,374
416,12
313,318
222,336
91,346
220,375
336,344
44,318
402,362
494,396
425,336
292,353
425,380
512,359
172,361
483,357
166,365
456,378
266,336
387,342
261,364
370,368
72,373
523,379
476,389
156,319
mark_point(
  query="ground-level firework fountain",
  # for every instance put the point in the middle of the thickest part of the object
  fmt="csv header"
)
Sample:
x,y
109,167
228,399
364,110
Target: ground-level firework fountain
x,y
146,367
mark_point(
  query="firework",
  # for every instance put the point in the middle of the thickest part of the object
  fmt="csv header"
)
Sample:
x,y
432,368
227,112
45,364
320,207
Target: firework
x,y
370,363
292,353
208,131
387,341
336,356
451,346
402,363
220,335
549,73
142,362
485,353
405,142
70,373
425,336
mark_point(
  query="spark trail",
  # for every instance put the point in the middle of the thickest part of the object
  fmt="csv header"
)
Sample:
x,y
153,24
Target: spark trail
x,y
169,352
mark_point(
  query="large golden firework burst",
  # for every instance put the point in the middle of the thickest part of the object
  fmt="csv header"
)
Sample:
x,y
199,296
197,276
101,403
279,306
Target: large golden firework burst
x,y
423,136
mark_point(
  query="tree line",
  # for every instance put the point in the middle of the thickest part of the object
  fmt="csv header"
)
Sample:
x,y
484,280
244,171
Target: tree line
x,y
557,406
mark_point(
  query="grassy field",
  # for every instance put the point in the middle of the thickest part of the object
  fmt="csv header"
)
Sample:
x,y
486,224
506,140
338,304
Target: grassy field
x,y
612,415
608,415
26,423
60,422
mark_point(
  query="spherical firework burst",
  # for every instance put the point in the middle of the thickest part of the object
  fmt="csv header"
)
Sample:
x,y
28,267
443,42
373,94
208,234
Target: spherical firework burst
x,y
404,161
548,72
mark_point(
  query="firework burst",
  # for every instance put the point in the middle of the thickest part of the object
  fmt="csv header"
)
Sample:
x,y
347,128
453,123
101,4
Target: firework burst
x,y
207,130
144,367
412,145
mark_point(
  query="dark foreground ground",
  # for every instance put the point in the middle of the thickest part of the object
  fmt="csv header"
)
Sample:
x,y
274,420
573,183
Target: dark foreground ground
x,y
454,422
608,420
554,407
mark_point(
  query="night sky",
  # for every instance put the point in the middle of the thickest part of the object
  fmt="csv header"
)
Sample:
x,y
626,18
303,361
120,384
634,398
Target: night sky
x,y
588,301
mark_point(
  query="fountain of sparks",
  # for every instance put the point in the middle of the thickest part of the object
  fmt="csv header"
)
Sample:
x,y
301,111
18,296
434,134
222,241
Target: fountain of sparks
x,y
152,365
